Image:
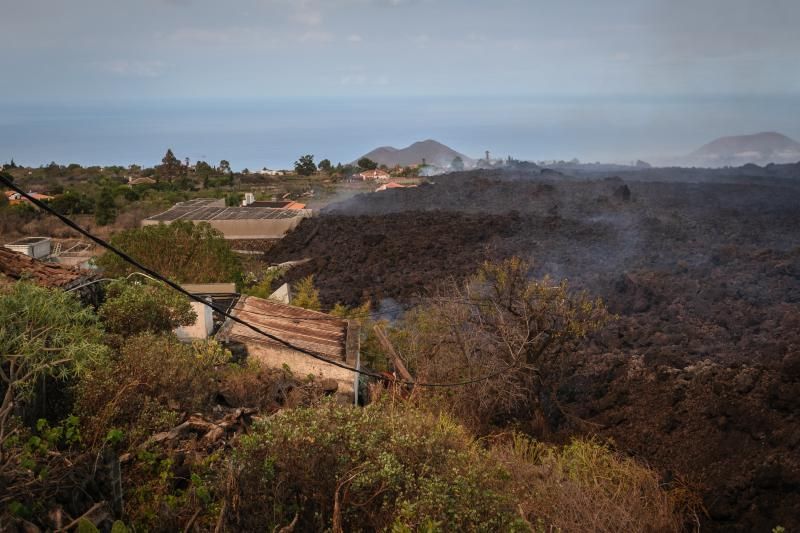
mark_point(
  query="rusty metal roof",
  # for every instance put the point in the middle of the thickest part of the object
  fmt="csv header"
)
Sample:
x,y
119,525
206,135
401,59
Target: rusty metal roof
x,y
328,336
19,266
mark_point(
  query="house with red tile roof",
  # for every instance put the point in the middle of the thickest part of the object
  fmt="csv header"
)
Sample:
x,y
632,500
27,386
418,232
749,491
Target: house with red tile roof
x,y
377,174
15,198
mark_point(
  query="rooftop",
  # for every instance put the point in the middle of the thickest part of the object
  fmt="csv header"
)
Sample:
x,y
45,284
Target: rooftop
x,y
283,204
317,332
16,266
30,240
202,210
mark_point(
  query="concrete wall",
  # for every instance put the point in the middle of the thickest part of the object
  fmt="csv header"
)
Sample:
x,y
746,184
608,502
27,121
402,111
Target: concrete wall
x,y
302,365
201,328
37,249
250,229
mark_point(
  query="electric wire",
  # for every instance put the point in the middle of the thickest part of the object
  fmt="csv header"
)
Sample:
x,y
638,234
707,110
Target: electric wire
x,y
152,273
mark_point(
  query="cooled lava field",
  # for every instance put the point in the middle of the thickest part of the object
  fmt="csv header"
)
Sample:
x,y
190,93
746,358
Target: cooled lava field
x,y
699,375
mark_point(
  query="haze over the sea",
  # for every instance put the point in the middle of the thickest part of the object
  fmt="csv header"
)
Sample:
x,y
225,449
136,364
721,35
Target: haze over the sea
x,y
274,132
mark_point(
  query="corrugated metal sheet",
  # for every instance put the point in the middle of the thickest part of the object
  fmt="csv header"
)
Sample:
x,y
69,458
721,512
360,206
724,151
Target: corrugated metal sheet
x,y
205,213
317,332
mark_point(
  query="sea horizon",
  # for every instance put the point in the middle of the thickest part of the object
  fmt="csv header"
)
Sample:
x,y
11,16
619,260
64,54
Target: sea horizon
x,y
273,132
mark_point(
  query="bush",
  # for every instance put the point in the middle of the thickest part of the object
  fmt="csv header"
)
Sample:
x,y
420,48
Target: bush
x,y
522,332
584,486
182,251
140,392
348,468
305,295
46,337
132,308
257,386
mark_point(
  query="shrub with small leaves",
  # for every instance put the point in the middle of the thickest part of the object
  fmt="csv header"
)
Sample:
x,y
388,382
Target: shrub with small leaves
x,y
348,468
132,307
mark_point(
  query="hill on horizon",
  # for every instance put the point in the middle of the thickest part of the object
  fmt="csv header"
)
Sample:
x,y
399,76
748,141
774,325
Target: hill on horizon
x,y
433,152
759,148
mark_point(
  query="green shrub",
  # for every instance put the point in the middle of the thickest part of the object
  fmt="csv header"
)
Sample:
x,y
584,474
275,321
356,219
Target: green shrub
x,y
305,295
140,392
131,308
46,337
365,469
182,251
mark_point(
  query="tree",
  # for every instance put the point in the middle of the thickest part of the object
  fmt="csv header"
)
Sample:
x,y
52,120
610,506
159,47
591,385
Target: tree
x,y
305,165
224,167
500,322
233,199
72,203
44,333
182,251
305,295
105,212
170,167
366,163
203,171
132,307
325,165
458,163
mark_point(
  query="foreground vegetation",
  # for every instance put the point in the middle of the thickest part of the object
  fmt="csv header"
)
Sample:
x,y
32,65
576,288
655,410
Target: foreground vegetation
x,y
110,419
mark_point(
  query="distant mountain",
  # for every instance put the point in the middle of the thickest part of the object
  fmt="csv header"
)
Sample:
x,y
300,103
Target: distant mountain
x,y
433,152
759,148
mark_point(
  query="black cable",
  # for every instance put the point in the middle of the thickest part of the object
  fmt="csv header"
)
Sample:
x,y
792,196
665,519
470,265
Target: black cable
x,y
128,259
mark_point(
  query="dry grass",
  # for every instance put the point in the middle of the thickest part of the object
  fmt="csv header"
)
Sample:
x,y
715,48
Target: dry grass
x,y
584,486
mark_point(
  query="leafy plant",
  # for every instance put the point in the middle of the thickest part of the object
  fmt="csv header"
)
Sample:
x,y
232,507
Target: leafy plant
x,y
305,295
43,334
132,307
346,468
183,251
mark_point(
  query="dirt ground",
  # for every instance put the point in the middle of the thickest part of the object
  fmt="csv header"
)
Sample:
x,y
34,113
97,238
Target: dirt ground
x,y
700,374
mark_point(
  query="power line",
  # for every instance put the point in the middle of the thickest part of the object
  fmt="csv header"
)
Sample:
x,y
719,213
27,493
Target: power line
x,y
130,260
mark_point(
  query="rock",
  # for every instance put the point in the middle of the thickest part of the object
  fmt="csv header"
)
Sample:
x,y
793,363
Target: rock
x,y
745,380
791,365
329,386
623,193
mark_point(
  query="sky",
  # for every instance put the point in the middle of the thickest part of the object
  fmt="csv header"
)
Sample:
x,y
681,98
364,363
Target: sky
x,y
648,53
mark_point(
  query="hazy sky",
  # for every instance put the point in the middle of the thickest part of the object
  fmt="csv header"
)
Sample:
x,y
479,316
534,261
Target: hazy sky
x,y
89,50
259,82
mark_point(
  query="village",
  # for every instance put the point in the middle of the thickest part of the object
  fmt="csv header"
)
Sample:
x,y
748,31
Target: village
x,y
67,264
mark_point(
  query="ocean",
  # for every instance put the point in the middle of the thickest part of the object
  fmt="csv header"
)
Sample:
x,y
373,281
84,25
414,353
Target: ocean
x,y
273,133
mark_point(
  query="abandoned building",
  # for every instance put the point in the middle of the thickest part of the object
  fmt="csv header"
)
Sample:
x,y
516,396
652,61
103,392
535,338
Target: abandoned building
x,y
330,337
36,247
16,266
241,222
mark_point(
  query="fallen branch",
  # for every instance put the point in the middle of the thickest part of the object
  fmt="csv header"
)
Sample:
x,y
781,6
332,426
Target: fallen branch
x,y
96,514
